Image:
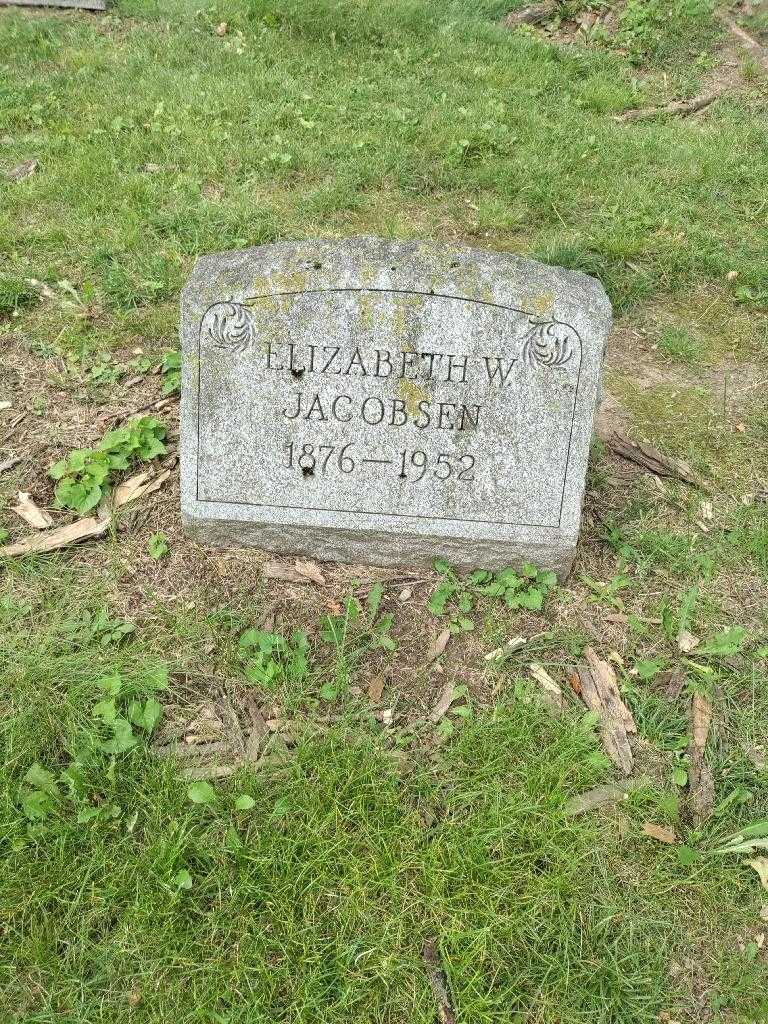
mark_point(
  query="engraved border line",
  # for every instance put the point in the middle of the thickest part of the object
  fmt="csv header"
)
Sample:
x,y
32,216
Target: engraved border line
x,y
365,512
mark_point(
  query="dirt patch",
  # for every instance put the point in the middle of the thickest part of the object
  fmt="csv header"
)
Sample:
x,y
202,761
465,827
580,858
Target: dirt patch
x,y
53,410
212,726
598,27
729,366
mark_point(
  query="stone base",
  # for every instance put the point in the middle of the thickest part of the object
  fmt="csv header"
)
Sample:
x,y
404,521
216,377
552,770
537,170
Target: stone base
x,y
382,548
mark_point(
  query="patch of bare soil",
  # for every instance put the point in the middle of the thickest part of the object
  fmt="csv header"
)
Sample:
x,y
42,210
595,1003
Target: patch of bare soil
x,y
634,352
51,412
753,16
597,26
747,20
213,726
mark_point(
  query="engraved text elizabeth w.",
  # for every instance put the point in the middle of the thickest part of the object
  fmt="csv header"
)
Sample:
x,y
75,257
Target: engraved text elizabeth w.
x,y
410,368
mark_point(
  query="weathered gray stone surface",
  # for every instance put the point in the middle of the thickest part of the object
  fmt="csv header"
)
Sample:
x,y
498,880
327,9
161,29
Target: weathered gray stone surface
x,y
389,402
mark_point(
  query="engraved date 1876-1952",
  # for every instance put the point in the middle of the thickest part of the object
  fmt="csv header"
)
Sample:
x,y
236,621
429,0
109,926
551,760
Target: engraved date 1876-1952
x,y
411,466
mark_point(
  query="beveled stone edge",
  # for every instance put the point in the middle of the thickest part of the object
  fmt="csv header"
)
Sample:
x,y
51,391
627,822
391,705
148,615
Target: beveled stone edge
x,y
380,548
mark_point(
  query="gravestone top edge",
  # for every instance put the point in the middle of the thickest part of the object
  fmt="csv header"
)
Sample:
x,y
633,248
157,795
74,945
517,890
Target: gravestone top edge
x,y
476,267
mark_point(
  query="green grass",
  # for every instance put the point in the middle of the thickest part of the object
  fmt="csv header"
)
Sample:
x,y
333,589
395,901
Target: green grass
x,y
120,898
679,345
125,900
273,131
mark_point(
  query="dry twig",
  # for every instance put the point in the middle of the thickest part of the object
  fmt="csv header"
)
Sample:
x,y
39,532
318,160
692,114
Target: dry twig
x,y
441,708
26,509
299,572
138,486
660,833
439,981
671,682
551,693
9,464
679,107
438,645
701,786
23,170
510,647
600,692
52,540
747,41
651,459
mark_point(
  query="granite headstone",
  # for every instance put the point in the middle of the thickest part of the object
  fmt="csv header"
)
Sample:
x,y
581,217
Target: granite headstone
x,y
389,402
